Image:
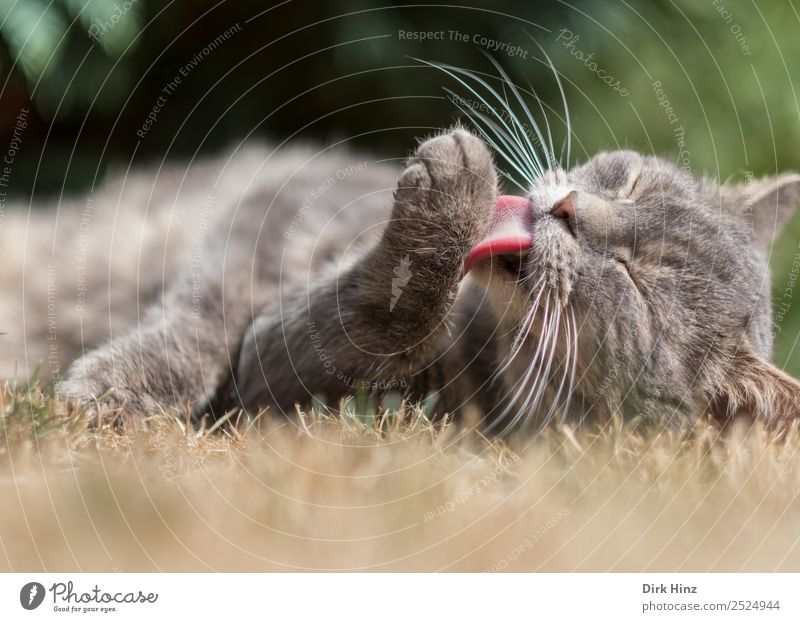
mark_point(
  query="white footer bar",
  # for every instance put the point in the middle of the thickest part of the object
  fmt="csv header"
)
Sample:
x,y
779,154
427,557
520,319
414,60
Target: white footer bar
x,y
401,597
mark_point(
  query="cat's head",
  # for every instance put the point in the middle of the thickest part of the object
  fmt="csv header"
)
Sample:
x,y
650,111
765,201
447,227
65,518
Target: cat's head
x,y
632,285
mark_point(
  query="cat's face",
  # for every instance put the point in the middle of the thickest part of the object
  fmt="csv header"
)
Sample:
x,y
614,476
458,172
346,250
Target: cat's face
x,y
642,287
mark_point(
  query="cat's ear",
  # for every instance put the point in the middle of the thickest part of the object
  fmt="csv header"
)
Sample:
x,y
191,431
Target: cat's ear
x,y
754,387
764,204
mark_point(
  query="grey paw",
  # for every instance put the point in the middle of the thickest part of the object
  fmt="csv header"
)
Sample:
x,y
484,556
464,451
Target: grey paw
x,y
448,190
443,204
94,383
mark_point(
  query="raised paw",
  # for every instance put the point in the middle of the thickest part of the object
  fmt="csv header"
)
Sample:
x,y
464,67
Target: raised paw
x,y
446,194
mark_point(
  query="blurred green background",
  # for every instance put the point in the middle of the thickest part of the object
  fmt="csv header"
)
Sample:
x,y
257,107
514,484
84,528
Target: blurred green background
x,y
89,73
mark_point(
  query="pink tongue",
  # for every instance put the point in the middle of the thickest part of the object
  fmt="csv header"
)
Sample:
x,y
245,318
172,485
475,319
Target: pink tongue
x,y
509,231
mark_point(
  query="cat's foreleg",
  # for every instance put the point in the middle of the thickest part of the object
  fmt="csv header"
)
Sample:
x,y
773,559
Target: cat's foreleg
x,y
177,356
380,321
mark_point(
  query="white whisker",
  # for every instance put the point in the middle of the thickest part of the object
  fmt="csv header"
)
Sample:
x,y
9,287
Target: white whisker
x,y
563,97
541,378
527,151
522,333
547,340
553,162
525,328
564,375
518,136
574,353
531,368
545,375
521,101
453,71
513,155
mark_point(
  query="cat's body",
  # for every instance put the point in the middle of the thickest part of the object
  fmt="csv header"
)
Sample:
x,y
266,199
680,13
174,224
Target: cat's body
x,y
84,272
273,276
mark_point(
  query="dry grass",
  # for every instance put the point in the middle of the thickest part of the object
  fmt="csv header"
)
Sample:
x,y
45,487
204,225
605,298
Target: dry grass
x,y
389,493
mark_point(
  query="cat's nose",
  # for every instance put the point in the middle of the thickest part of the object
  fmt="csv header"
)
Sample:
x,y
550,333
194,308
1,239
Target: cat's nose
x,y
564,208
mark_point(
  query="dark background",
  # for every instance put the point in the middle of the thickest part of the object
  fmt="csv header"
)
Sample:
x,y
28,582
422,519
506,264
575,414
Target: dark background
x,y
321,71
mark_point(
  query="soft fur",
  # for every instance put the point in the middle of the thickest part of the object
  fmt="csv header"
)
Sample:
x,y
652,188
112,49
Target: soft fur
x,y
250,281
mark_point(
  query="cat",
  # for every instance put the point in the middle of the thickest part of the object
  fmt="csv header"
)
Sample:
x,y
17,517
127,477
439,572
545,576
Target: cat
x,y
277,276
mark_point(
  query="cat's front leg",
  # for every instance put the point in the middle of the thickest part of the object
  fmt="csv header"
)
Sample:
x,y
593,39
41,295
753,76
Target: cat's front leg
x,y
387,316
176,358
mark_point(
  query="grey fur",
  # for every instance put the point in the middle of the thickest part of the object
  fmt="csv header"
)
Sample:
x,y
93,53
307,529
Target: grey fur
x,y
655,297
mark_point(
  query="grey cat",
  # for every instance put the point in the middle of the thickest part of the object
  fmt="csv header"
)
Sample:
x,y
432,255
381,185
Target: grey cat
x,y
271,277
